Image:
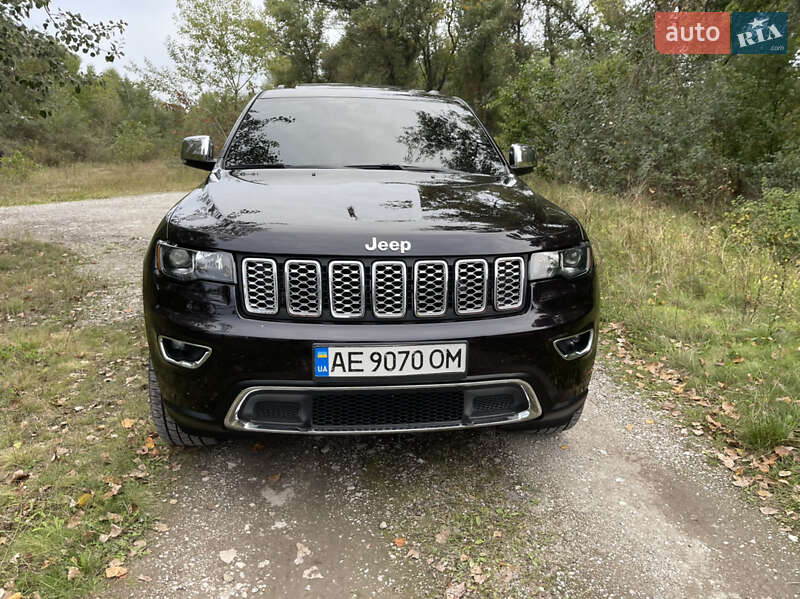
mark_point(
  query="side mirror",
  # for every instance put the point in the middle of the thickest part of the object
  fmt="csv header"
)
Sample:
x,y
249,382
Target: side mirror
x,y
198,152
522,158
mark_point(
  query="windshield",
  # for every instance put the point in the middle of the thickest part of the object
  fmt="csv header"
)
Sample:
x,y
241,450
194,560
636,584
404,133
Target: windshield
x,y
335,132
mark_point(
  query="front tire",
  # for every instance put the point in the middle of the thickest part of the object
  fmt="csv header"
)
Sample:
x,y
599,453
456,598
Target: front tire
x,y
533,429
169,430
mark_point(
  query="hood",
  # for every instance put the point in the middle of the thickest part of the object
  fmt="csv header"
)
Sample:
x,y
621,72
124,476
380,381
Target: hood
x,y
349,212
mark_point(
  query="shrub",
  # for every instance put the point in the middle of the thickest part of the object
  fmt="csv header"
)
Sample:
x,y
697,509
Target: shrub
x,y
772,222
17,167
133,141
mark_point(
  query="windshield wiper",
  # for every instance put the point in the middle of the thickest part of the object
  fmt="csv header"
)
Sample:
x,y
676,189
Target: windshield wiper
x,y
234,167
401,167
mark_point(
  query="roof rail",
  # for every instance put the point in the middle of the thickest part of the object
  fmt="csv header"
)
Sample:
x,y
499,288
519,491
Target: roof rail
x,y
434,92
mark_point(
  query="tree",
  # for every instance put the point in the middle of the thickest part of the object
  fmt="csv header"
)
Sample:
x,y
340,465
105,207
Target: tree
x,y
222,48
32,62
298,27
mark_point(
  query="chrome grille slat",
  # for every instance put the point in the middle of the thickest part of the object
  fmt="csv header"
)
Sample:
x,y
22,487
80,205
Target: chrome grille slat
x,y
382,289
303,287
346,288
471,278
430,288
509,283
260,280
389,289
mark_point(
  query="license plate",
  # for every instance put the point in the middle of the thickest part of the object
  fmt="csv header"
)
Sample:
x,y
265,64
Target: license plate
x,y
339,361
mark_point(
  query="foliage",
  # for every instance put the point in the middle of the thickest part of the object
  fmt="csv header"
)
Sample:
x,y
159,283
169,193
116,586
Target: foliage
x,y
222,49
75,459
133,141
614,114
772,222
707,321
300,27
33,62
16,167
86,181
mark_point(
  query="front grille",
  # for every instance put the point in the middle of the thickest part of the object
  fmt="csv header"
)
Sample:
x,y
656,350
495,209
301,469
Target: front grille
x,y
471,283
397,409
389,289
346,287
303,288
260,285
378,290
430,288
509,283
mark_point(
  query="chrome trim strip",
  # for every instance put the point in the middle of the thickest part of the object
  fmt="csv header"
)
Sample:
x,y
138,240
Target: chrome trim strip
x,y
419,263
521,263
246,288
402,264
233,422
458,278
361,283
286,267
183,364
581,353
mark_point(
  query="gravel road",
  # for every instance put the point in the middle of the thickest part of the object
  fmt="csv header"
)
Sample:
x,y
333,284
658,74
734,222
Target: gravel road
x,y
624,505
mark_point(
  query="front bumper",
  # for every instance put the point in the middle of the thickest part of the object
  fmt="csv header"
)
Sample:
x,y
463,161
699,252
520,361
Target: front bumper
x,y
275,357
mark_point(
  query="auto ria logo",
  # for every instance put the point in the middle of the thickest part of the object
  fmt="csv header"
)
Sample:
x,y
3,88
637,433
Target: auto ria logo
x,y
402,246
721,32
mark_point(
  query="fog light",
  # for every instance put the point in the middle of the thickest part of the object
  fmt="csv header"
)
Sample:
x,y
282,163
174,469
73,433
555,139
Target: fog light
x,y
182,353
575,346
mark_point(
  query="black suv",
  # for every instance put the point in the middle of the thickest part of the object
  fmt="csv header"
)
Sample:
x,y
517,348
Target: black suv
x,y
365,260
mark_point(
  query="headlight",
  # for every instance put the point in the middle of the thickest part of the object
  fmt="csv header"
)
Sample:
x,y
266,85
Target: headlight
x,y
188,265
569,263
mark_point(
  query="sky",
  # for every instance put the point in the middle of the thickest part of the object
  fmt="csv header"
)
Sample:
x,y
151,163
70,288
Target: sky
x,y
149,24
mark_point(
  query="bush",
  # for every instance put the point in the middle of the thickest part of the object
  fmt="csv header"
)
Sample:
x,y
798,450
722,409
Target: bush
x,y
17,168
133,141
772,222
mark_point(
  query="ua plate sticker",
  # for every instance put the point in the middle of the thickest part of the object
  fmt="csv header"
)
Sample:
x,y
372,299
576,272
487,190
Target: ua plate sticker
x,y
321,361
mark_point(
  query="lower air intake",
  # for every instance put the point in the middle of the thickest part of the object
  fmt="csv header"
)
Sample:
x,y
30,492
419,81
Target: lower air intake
x,y
395,410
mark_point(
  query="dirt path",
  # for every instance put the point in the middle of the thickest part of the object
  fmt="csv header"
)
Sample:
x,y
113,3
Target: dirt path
x,y
600,511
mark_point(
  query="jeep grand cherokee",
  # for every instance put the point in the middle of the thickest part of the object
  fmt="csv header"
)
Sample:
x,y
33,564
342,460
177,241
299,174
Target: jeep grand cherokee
x,y
365,260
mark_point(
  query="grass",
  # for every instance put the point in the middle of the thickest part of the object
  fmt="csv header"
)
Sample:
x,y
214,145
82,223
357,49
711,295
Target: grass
x,y
704,323
82,181
76,455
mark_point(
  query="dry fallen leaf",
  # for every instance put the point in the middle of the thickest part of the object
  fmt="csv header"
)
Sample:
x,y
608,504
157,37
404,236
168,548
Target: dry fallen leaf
x,y
456,591
565,447
442,536
784,473
149,443
399,541
768,511
116,572
73,573
273,478
84,499
782,450
413,553
649,421
629,427
128,422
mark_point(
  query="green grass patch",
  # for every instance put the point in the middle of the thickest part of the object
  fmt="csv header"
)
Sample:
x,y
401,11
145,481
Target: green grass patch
x,y
76,465
701,320
85,181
